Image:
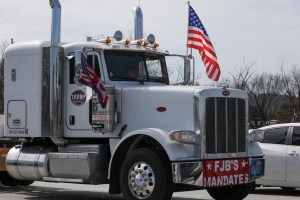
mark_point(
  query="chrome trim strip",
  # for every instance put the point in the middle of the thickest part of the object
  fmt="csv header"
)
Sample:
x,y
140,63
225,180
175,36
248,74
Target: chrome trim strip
x,y
45,92
225,155
66,180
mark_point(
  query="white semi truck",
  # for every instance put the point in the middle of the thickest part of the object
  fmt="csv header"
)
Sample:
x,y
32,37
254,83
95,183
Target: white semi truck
x,y
152,138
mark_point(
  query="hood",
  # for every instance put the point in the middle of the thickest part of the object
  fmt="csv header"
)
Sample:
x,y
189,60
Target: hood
x,y
167,108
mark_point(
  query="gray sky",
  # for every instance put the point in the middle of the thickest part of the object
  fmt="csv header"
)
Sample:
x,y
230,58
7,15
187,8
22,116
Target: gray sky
x,y
266,32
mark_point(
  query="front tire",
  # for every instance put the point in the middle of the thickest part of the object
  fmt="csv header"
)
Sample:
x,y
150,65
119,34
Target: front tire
x,y
144,175
236,192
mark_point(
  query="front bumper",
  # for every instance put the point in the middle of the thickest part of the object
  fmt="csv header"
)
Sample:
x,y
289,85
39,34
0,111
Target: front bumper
x,y
192,173
189,173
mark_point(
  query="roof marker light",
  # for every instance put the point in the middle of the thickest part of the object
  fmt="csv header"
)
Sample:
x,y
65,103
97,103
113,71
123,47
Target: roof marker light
x,y
156,45
146,43
108,40
127,42
139,42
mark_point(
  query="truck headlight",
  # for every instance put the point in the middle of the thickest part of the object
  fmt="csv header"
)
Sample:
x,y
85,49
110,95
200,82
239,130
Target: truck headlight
x,y
188,137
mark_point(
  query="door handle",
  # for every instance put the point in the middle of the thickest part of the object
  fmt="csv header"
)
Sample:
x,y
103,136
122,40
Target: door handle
x,y
72,119
293,153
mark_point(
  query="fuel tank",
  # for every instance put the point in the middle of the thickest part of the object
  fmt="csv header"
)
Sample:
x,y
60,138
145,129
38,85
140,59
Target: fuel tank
x,y
29,162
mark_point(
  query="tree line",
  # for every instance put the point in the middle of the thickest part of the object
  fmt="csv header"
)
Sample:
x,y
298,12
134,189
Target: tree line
x,y
273,97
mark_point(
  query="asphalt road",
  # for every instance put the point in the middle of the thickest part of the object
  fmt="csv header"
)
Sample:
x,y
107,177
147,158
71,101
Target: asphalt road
x,y
62,191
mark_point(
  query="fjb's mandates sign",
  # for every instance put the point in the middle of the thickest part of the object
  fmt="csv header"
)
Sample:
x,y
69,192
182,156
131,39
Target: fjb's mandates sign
x,y
226,172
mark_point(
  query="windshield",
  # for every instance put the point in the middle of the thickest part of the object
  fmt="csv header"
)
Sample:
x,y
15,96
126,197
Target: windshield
x,y
136,66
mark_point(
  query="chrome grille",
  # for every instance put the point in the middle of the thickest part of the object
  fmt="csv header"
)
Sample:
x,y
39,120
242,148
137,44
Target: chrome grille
x,y
225,125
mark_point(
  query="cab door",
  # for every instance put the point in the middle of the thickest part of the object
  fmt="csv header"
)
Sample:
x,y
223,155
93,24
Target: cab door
x,y
78,99
293,159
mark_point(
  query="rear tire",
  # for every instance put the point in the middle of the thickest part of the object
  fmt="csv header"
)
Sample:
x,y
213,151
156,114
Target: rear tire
x,y
24,183
288,188
7,180
144,175
236,192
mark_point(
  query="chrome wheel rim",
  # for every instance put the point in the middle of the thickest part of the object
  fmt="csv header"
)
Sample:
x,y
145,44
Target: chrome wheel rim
x,y
141,180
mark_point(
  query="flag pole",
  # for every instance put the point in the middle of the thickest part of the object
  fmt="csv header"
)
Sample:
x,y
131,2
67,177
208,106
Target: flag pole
x,y
187,36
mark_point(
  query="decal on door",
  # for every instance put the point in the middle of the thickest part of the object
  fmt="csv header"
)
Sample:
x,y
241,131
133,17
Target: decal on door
x,y
226,172
78,97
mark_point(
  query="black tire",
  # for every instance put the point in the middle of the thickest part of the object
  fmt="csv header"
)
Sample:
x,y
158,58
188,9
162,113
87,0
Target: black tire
x,y
253,186
149,174
288,188
236,192
7,180
24,183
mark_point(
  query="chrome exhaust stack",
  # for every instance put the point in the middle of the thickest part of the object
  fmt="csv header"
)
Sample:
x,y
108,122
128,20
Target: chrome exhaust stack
x,y
138,23
56,21
56,84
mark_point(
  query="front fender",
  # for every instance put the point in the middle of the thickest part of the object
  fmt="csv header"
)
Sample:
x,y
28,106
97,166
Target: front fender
x,y
176,151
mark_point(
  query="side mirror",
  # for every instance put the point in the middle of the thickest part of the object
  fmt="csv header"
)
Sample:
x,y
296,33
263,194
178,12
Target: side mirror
x,y
77,67
187,70
256,135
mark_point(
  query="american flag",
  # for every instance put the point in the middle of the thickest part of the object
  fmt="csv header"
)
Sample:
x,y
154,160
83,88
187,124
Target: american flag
x,y
199,39
89,78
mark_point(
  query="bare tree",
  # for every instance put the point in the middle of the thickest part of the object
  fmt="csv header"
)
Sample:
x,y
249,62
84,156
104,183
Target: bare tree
x,y
241,77
263,90
291,90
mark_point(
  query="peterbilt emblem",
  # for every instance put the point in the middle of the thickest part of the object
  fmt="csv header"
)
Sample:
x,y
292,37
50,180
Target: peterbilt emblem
x,y
226,93
78,97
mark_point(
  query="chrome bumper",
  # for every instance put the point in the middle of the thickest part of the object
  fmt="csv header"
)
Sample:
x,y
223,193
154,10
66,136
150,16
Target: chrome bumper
x,y
189,173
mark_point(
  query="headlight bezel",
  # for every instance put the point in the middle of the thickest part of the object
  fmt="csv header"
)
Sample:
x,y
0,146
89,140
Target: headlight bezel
x,y
184,136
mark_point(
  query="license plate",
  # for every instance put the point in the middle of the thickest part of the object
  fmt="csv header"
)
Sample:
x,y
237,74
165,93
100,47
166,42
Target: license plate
x,y
227,172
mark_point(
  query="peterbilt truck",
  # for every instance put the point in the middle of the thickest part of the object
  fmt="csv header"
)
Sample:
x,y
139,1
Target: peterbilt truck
x,y
150,139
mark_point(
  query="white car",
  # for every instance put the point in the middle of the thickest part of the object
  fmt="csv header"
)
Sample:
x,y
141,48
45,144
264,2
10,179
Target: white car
x,y
280,144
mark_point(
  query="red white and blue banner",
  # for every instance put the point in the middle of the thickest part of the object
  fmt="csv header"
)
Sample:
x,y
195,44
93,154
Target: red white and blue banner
x,y
219,173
